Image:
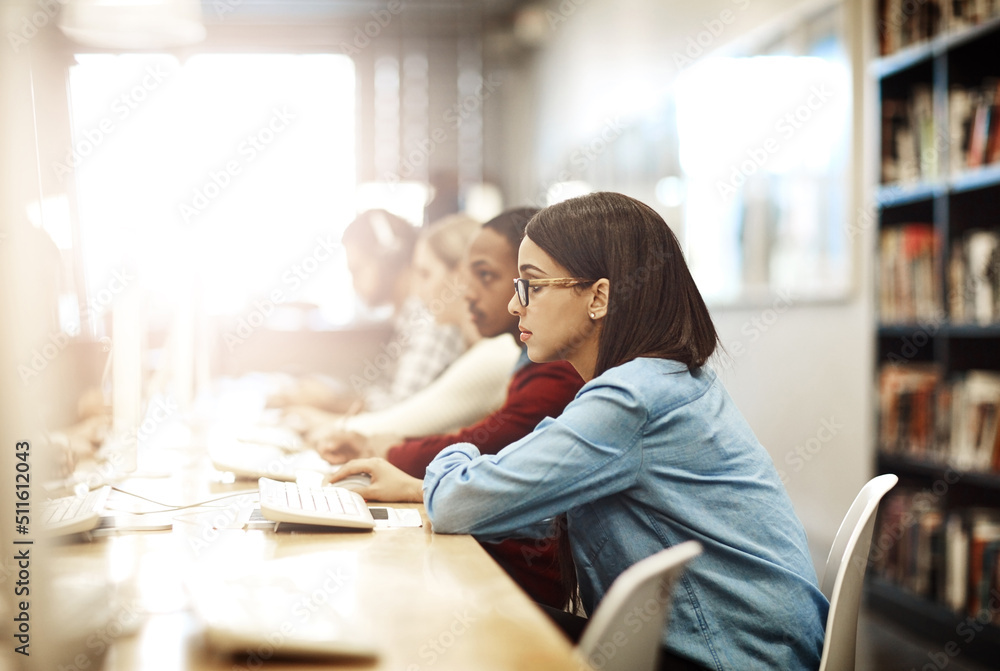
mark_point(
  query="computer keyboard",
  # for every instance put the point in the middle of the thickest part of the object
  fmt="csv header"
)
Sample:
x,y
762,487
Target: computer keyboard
x,y
74,514
252,607
255,460
278,436
302,504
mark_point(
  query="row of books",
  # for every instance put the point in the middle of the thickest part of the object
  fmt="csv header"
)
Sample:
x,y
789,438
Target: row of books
x,y
901,23
911,143
908,267
974,125
908,291
955,421
974,278
952,557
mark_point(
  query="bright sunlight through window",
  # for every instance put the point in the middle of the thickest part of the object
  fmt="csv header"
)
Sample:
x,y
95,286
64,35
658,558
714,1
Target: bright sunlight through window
x,y
764,181
223,180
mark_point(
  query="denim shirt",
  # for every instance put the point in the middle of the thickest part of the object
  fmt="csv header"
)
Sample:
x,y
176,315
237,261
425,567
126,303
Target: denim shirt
x,y
649,455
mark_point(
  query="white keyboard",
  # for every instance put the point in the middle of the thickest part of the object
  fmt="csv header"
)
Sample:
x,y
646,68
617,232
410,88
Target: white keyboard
x,y
278,436
246,605
73,514
255,460
327,506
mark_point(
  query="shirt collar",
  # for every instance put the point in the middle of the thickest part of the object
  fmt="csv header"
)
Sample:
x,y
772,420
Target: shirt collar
x,y
522,360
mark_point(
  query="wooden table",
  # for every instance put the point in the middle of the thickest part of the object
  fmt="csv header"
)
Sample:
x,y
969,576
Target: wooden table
x,y
432,601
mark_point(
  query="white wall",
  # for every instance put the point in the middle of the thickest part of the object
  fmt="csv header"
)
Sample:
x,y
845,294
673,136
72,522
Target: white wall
x,y
801,375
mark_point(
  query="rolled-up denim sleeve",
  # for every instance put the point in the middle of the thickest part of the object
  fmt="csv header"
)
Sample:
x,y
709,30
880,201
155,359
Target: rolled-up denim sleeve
x,y
592,450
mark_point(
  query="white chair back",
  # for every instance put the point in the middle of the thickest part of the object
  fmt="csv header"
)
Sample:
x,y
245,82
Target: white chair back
x,y
844,575
626,631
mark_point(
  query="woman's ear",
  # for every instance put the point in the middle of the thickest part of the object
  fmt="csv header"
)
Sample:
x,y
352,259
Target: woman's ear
x,y
598,306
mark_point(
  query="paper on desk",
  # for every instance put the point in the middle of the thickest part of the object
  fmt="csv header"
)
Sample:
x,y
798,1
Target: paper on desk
x,y
396,517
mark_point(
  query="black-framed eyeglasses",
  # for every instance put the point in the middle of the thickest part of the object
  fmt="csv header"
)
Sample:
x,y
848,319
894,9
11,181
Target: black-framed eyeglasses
x,y
521,285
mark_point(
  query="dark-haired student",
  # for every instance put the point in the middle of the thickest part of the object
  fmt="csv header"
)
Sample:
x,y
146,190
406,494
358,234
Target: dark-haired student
x,y
651,453
535,391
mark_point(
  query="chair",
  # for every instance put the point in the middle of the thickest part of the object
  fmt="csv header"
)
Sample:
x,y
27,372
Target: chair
x,y
639,596
845,572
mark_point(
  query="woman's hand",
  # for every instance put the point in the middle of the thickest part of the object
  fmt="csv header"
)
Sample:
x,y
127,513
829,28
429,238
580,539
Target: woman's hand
x,y
305,419
338,447
313,393
341,447
388,482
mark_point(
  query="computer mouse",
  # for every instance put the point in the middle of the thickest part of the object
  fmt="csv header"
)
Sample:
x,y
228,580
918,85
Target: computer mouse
x,y
354,482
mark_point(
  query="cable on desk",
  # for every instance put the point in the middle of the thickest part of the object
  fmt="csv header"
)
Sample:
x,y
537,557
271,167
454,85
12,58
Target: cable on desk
x,y
168,507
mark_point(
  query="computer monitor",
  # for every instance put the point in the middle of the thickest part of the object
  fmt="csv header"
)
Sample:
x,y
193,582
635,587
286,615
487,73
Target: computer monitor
x,y
127,399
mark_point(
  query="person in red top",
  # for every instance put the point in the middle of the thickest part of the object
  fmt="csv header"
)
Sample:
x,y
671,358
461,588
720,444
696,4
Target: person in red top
x,y
536,391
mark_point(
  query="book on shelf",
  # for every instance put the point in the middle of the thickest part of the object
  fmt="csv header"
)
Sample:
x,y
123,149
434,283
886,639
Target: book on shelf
x,y
959,15
951,557
960,112
956,563
909,547
907,396
974,125
975,408
897,159
902,23
910,150
974,278
924,417
984,539
908,268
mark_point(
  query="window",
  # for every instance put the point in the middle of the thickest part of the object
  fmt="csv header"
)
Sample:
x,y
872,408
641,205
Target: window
x,y
225,179
764,147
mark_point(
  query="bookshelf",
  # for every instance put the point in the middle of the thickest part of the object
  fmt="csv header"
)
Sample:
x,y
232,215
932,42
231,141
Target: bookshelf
x,y
935,565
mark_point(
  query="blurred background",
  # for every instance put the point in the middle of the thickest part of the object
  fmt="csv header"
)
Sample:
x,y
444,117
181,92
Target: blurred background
x,y
192,166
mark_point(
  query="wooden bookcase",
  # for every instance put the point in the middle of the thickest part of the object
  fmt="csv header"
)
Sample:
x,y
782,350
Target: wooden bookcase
x,y
926,178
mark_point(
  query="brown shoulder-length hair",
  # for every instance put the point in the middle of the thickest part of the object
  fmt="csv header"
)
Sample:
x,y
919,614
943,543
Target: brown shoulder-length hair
x,y
654,307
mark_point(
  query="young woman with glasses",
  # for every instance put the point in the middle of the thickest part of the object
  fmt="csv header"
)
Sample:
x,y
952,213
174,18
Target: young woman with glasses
x,y
652,452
